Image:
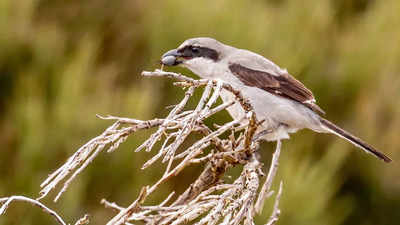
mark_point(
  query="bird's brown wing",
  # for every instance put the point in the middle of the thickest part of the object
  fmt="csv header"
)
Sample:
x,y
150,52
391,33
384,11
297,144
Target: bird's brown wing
x,y
283,85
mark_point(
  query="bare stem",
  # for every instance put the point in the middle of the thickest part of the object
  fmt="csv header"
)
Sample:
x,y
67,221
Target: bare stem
x,y
8,200
210,199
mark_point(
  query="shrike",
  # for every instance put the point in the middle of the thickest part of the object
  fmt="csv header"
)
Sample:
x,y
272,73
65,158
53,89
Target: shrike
x,y
283,102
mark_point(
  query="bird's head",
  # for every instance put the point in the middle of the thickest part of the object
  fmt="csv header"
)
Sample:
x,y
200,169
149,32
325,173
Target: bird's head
x,y
196,54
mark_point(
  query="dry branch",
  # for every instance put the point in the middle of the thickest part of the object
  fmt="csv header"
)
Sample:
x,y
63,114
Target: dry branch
x,y
8,200
209,199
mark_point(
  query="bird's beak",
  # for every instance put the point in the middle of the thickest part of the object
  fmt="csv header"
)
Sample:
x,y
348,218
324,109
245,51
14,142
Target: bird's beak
x,y
171,58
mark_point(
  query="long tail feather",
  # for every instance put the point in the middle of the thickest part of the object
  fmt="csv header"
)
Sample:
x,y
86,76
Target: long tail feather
x,y
354,140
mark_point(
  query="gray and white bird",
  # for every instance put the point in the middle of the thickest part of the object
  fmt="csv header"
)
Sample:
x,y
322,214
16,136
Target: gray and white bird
x,y
283,102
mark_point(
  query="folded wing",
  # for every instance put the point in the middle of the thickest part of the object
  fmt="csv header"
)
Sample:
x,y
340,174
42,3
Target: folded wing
x,y
283,85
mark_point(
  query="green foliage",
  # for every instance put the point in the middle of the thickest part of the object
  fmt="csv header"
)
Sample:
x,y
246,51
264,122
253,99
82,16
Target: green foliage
x,y
62,62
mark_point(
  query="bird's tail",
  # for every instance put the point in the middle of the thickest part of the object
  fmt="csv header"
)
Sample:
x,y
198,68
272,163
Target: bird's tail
x,y
354,140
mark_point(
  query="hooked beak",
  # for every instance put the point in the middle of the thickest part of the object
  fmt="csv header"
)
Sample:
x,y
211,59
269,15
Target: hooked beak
x,y
171,58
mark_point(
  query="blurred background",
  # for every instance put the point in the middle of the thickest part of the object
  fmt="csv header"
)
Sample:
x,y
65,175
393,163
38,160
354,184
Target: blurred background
x,y
62,62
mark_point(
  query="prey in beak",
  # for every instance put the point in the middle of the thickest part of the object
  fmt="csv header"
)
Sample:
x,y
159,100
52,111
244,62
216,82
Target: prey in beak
x,y
171,58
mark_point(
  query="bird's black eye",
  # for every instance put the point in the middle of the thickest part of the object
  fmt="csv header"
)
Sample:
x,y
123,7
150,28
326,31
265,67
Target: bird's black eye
x,y
195,50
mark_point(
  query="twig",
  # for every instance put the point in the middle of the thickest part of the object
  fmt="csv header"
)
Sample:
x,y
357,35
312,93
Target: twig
x,y
6,202
268,182
276,211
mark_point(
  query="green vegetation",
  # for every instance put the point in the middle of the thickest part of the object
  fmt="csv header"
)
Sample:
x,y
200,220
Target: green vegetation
x,y
62,62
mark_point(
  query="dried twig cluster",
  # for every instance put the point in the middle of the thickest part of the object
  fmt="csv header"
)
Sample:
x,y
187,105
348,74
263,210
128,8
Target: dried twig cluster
x,y
208,200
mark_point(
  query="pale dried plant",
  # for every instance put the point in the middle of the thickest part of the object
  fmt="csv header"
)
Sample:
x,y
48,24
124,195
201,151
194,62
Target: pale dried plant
x,y
210,199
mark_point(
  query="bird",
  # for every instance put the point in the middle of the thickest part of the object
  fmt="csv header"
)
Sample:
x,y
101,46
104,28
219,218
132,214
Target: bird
x,y
282,102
